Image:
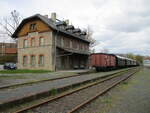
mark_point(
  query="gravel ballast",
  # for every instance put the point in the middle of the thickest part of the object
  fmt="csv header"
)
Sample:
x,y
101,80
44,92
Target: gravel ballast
x,y
20,92
63,105
131,96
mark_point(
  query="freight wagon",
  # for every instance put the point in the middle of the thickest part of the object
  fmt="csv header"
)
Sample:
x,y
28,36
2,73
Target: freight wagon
x,y
120,62
104,61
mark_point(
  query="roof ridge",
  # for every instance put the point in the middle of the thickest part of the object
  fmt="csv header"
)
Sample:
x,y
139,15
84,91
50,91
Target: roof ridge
x,y
50,23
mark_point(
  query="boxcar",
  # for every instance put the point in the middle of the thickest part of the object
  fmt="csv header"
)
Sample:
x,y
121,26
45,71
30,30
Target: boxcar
x,y
133,62
121,61
128,62
103,61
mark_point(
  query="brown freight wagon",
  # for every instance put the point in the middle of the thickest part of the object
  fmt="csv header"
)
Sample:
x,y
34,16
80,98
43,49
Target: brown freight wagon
x,y
103,61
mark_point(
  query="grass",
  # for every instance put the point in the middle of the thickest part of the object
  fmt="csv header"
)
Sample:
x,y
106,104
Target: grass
x,y
106,100
2,77
53,91
19,71
125,82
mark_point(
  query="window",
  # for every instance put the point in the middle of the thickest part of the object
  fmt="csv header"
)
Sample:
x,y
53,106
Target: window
x,y
41,41
33,60
25,43
32,42
70,43
24,60
82,46
32,27
75,44
87,47
41,60
62,41
67,42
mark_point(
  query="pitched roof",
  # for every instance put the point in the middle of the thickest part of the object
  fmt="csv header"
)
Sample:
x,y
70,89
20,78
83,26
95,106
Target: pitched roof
x,y
147,58
50,23
104,54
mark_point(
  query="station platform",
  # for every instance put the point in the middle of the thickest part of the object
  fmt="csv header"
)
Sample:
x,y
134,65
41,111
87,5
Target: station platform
x,y
20,94
7,80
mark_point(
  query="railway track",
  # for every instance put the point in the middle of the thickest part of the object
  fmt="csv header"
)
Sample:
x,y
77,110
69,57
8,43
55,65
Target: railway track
x,y
73,100
16,97
46,80
39,81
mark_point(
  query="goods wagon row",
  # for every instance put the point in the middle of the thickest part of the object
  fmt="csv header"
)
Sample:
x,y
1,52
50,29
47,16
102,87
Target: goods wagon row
x,y
103,61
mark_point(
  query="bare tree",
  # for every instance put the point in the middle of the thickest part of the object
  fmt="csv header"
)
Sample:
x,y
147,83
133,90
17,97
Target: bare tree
x,y
10,23
89,36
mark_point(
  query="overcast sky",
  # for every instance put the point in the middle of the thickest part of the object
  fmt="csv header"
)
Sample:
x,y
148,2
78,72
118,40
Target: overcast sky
x,y
121,26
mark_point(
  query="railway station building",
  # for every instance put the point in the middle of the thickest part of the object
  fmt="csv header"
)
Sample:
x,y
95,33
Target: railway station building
x,y
50,44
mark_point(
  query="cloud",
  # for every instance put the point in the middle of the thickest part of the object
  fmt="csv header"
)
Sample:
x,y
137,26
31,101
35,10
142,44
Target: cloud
x,y
121,26
135,42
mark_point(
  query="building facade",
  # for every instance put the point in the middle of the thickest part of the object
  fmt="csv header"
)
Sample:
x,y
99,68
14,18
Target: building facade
x,y
8,52
8,49
50,44
146,62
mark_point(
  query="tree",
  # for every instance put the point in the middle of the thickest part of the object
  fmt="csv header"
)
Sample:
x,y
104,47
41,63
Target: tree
x,y
8,58
131,55
89,36
10,23
139,58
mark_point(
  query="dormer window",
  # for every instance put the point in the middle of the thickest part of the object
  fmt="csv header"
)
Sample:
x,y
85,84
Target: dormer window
x,y
32,27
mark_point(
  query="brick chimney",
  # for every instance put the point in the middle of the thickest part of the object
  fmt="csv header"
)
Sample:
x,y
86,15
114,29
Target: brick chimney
x,y
53,16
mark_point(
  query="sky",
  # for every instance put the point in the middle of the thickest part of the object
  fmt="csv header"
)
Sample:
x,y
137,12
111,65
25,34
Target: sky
x,y
120,26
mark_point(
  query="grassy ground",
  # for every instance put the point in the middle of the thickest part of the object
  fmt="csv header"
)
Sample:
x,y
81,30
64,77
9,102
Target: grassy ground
x,y
23,71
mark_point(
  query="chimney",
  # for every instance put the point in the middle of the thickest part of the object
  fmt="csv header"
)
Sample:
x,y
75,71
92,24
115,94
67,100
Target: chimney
x,y
67,22
53,16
